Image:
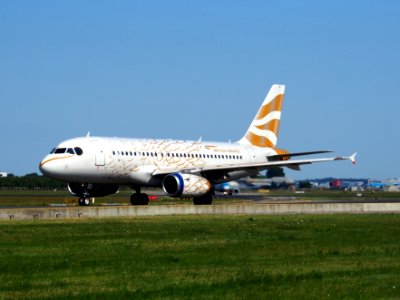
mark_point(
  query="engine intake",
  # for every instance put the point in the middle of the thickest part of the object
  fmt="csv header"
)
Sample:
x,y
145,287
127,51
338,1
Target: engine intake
x,y
186,185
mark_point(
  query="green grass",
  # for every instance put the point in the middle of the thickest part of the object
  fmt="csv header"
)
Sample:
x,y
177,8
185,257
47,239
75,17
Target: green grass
x,y
206,257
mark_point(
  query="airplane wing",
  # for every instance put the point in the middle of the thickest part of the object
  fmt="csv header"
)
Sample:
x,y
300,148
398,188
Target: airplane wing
x,y
292,164
286,156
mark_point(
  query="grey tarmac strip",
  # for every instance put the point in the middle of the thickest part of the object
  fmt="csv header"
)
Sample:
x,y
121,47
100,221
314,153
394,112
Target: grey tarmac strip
x,y
275,208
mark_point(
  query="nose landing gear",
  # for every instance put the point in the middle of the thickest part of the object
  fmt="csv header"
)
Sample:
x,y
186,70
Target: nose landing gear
x,y
84,201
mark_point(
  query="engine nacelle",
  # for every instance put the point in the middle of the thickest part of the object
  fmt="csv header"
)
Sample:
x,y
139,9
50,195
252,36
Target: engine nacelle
x,y
186,185
92,190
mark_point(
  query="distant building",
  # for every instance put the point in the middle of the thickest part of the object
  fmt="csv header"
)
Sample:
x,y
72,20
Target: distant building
x,y
354,186
3,174
320,185
335,184
274,182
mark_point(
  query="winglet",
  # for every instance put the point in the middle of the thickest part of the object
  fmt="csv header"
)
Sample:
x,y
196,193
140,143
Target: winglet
x,y
352,158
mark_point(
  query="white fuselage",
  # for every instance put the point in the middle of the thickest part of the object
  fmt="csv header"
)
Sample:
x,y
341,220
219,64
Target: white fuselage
x,y
96,166
136,161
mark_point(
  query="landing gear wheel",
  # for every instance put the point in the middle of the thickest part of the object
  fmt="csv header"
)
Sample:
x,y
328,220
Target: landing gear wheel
x,y
203,200
83,201
139,199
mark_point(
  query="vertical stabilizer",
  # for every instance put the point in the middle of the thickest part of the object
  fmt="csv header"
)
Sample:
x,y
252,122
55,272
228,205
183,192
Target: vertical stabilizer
x,y
263,131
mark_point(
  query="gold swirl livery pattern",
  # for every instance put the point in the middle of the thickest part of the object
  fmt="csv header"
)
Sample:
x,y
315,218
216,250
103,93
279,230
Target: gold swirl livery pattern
x,y
263,131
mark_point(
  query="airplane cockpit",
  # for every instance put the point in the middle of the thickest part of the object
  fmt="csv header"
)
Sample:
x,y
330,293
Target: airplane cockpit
x,y
73,151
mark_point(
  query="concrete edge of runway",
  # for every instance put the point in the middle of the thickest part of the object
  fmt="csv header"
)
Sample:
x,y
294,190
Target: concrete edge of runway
x,y
77,212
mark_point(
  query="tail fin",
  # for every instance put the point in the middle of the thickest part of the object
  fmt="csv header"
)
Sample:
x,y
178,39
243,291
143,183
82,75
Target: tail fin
x,y
263,131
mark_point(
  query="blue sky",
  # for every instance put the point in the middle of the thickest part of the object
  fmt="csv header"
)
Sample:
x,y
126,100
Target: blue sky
x,y
185,69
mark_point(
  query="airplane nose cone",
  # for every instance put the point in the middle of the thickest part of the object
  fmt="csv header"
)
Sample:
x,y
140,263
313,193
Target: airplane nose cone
x,y
46,167
43,168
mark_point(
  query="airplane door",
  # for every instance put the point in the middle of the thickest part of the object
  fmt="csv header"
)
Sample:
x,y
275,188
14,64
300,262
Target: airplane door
x,y
100,159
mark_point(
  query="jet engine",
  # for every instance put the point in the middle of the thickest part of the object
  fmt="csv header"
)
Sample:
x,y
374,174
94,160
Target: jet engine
x,y
92,190
186,185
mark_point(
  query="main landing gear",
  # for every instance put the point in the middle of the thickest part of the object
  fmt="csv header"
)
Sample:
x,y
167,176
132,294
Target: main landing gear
x,y
139,198
203,200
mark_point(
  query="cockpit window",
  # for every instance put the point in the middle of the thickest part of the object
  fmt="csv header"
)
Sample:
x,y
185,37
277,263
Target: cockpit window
x,y
72,151
78,151
60,150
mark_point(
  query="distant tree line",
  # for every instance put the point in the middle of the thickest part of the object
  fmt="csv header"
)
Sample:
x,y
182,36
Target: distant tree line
x,y
30,182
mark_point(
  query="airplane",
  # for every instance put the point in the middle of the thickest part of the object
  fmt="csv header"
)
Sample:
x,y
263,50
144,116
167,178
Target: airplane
x,y
231,188
97,166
